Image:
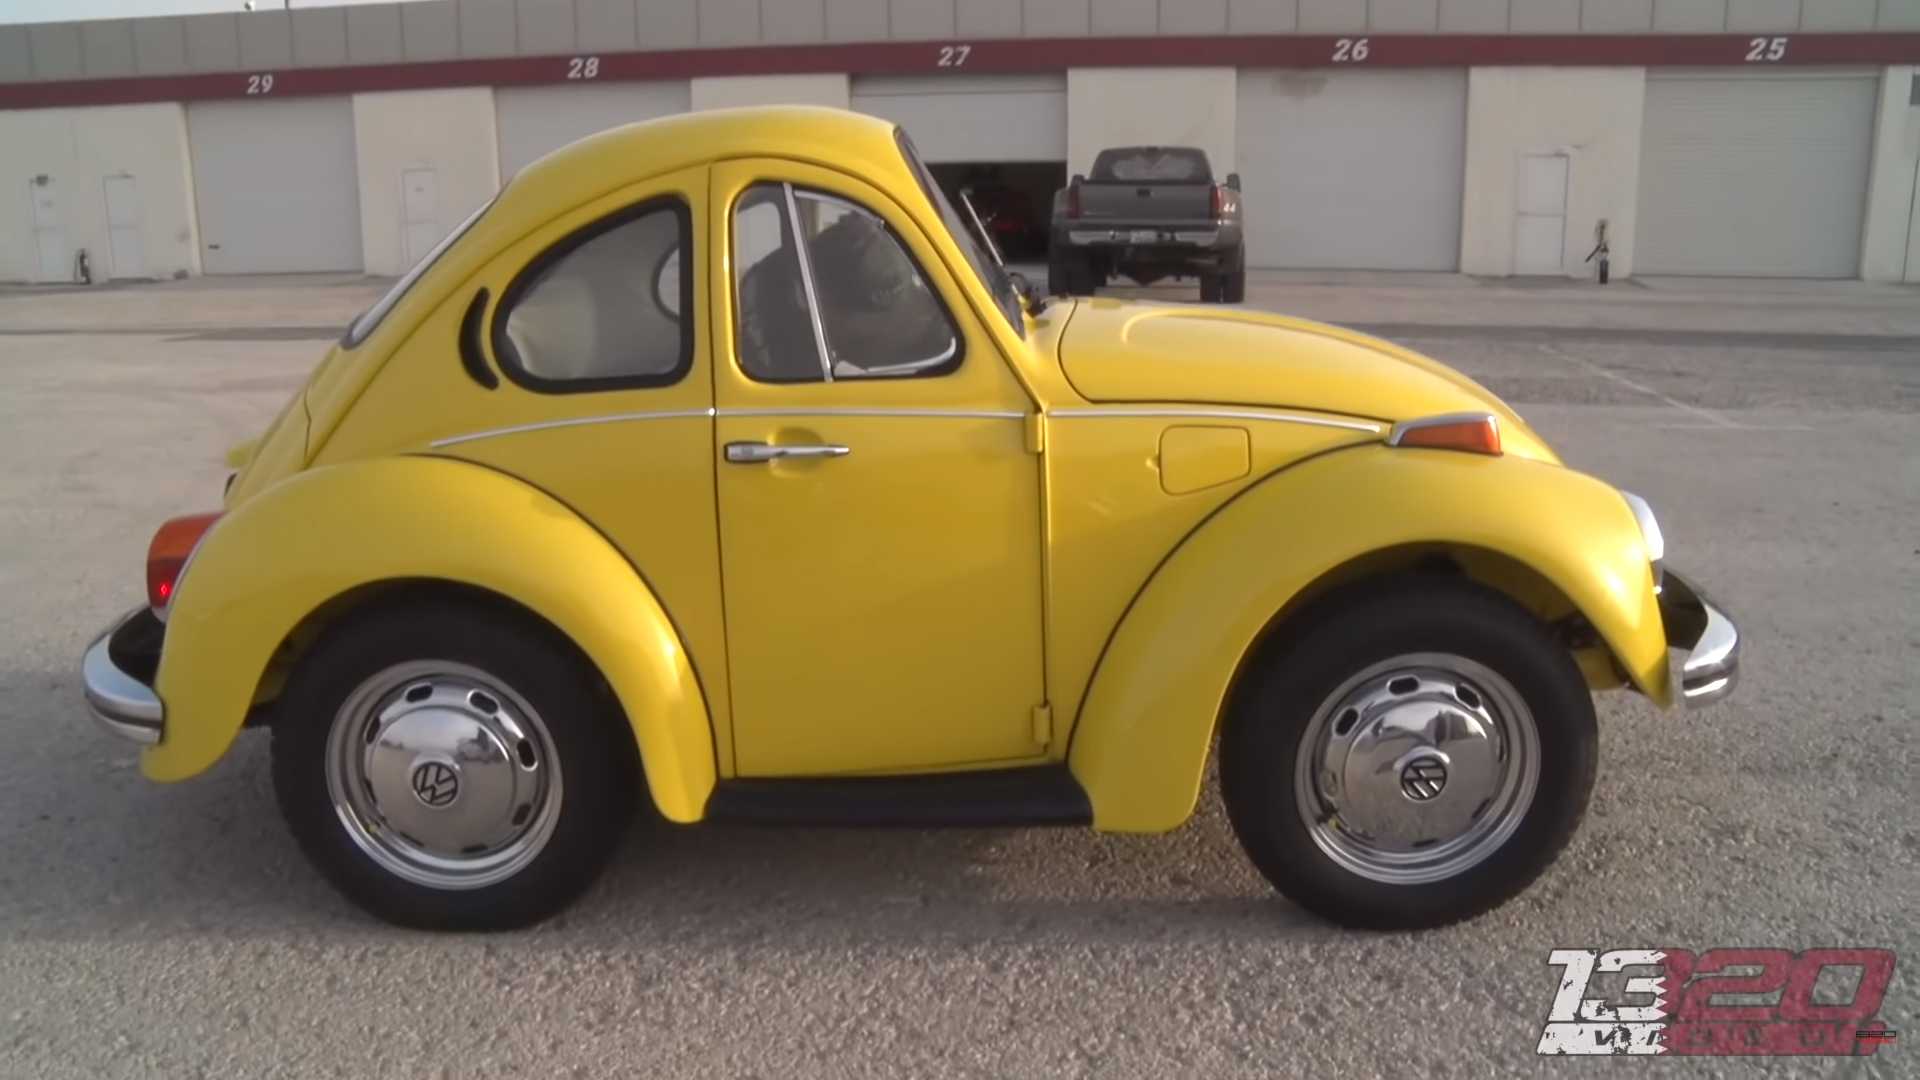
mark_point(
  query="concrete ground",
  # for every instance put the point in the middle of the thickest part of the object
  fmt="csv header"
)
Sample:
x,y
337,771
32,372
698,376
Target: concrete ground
x,y
149,930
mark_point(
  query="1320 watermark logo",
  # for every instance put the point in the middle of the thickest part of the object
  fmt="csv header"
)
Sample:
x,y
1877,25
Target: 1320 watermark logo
x,y
1719,1002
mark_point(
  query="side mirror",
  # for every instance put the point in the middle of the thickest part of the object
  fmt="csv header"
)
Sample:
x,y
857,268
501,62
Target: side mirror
x,y
1077,179
1233,180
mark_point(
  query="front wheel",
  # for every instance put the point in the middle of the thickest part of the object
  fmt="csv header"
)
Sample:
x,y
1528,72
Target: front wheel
x,y
1412,753
452,767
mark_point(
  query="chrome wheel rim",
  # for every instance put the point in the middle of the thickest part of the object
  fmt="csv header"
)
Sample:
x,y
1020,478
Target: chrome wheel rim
x,y
1417,768
443,775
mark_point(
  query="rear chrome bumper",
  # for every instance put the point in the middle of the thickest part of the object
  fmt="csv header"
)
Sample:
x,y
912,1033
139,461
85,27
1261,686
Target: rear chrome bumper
x,y
1703,645
124,705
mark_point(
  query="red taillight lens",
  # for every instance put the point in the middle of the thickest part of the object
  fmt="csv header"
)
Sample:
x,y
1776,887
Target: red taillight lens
x,y
1218,206
1473,434
1073,200
167,554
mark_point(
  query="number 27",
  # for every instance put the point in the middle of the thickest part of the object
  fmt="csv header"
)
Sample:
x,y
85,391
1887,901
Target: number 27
x,y
953,55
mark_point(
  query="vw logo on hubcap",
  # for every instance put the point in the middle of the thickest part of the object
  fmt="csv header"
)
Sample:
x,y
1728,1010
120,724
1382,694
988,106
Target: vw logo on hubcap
x,y
435,783
1423,778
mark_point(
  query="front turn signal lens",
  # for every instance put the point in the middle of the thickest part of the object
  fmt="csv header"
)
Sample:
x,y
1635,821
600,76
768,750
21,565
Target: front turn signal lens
x,y
1475,433
167,555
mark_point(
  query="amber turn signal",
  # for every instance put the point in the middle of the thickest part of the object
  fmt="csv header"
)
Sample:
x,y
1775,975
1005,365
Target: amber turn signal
x,y
167,555
1476,433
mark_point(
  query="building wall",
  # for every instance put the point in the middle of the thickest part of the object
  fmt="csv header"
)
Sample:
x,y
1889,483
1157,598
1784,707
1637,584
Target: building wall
x,y
448,131
1169,106
1592,115
728,91
77,149
1890,248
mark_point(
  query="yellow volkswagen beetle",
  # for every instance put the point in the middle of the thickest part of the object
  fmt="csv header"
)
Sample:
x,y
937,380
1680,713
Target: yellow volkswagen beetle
x,y
718,453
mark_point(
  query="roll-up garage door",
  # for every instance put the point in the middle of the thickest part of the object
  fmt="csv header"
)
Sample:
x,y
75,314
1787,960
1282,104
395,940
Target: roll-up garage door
x,y
1754,175
275,185
999,118
537,120
1352,169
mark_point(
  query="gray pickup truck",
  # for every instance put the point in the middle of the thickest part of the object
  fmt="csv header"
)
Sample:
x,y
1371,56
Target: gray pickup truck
x,y
1148,212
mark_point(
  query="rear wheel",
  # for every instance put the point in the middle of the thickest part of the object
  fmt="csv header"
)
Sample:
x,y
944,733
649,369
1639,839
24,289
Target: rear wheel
x,y
1233,283
1414,753
452,767
1209,288
1069,273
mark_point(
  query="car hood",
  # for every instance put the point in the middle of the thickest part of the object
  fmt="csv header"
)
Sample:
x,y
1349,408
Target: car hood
x,y
1136,351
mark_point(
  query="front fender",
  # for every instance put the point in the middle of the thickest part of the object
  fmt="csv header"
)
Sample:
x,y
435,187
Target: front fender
x,y
280,555
1141,742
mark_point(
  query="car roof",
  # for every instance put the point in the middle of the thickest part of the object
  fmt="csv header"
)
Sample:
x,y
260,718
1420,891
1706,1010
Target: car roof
x,y
600,163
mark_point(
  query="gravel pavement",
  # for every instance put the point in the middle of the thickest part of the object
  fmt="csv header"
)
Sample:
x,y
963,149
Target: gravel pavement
x,y
153,930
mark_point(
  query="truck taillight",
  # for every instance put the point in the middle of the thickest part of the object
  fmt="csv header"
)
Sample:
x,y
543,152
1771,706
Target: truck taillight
x,y
1218,204
1073,200
167,555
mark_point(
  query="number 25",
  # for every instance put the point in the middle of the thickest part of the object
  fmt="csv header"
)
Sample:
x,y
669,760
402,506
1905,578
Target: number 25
x,y
1763,50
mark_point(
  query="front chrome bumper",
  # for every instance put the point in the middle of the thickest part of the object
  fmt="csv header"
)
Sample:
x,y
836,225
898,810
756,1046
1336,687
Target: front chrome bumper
x,y
121,703
1703,645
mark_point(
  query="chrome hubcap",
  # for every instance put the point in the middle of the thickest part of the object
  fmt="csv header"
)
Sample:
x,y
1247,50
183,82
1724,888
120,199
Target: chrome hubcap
x,y
443,775
1417,768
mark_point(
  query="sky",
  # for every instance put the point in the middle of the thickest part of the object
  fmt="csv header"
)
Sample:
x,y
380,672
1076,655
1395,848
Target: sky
x,y
29,11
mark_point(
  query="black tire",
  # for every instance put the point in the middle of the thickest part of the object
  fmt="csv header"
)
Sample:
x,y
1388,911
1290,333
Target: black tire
x,y
1298,673
1209,288
589,738
1233,282
1068,273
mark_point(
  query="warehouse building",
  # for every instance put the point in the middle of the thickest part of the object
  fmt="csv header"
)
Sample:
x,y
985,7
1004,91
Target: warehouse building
x,y
1492,137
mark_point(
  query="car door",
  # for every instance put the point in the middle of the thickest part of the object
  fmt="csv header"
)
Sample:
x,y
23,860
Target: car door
x,y
879,509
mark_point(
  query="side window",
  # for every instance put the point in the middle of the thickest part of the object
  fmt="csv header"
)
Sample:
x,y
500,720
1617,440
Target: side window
x,y
602,309
844,301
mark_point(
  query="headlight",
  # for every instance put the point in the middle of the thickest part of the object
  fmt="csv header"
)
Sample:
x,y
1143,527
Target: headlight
x,y
1649,532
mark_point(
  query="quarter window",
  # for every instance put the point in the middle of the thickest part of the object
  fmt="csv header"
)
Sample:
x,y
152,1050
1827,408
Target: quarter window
x,y
843,301
603,308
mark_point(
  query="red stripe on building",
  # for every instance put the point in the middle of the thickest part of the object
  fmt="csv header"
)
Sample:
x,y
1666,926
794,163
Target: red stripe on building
x,y
960,57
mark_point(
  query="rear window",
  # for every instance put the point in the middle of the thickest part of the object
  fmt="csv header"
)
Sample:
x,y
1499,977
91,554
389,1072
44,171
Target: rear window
x,y
1153,165
369,320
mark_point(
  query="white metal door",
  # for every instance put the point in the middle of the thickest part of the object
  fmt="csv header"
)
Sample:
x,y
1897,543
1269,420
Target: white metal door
x,y
123,227
49,233
973,117
1540,214
533,121
1352,169
420,212
1760,175
276,184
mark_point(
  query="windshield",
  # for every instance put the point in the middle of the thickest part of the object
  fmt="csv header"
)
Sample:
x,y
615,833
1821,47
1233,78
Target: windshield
x,y
368,320
991,274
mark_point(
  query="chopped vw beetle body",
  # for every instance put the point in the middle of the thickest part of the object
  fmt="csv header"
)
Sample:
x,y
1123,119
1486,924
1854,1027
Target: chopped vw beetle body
x,y
715,465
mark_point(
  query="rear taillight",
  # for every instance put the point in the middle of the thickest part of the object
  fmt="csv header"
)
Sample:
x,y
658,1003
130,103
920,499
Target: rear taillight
x,y
1073,199
167,555
1218,205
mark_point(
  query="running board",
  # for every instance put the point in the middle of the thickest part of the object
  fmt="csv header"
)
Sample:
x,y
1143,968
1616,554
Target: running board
x,y
1035,795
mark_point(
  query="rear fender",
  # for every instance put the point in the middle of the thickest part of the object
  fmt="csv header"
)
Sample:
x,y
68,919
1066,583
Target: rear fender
x,y
320,534
1140,744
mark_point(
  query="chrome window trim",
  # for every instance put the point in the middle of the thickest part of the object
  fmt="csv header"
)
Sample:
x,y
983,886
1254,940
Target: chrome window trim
x,y
1215,414
806,282
1401,429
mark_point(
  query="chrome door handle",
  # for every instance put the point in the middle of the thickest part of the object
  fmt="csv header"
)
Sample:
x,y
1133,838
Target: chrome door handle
x,y
749,453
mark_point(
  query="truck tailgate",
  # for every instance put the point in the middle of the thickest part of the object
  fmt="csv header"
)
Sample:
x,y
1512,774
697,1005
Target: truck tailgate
x,y
1145,204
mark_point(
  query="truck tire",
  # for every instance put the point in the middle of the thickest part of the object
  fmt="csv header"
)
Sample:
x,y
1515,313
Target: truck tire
x,y
1209,288
1412,752
1233,283
1068,274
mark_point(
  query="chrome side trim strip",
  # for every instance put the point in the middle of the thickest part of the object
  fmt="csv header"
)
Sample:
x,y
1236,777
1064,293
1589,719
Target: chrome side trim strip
x,y
1217,414
975,414
610,418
